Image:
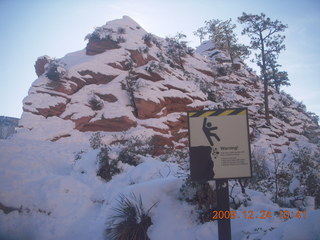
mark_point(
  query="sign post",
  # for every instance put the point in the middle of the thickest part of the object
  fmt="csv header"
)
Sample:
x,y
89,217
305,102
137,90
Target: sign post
x,y
219,150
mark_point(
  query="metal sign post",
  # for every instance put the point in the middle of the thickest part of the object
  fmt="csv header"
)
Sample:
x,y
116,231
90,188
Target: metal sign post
x,y
224,225
220,150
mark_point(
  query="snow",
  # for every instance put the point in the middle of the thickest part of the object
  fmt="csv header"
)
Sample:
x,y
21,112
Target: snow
x,y
295,183
61,197
37,102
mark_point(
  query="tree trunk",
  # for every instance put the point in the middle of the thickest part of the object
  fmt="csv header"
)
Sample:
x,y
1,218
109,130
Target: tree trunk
x,y
230,53
265,81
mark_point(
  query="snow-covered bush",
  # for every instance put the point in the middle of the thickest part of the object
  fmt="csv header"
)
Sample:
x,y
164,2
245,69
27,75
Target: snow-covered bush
x,y
176,49
121,30
314,117
78,155
103,33
259,167
144,50
305,168
95,140
281,113
237,197
132,151
55,70
107,166
155,67
312,133
200,194
150,38
95,104
130,220
120,39
222,71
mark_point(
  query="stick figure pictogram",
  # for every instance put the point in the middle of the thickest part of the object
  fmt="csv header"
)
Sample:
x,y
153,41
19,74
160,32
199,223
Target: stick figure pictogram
x,y
208,131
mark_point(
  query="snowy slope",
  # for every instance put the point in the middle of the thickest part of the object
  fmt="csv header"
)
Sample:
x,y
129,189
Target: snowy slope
x,y
127,85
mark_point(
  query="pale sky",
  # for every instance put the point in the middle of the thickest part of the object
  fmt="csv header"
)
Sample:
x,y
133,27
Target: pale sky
x,y
33,28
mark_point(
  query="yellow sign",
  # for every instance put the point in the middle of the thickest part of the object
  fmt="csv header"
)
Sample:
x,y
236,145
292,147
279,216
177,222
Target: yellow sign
x,y
219,144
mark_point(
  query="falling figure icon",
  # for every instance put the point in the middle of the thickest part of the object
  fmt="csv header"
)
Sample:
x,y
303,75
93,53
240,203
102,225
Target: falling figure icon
x,y
208,131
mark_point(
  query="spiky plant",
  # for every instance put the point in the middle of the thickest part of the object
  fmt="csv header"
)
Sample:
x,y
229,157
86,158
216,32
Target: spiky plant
x,y
131,221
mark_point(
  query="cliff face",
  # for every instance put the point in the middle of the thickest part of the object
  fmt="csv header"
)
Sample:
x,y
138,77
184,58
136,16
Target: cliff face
x,y
127,80
7,126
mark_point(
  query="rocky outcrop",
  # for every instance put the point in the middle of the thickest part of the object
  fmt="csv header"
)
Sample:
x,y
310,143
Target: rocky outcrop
x,y
97,46
138,86
40,65
117,124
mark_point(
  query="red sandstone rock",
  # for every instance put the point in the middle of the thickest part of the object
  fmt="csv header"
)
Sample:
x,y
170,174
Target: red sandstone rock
x,y
96,46
117,124
206,72
107,97
154,77
159,144
148,109
96,78
175,104
40,63
138,58
53,110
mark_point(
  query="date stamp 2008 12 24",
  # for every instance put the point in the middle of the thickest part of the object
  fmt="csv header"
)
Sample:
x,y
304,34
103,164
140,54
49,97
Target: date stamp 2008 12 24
x,y
258,215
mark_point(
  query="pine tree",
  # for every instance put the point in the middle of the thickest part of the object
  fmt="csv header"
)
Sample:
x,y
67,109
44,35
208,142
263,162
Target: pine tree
x,y
201,33
265,38
276,77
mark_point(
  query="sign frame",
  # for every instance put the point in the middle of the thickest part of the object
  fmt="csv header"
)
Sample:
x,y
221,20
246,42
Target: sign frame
x,y
220,113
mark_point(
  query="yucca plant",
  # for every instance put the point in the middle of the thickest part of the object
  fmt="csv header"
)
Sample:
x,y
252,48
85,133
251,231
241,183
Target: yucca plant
x,y
131,221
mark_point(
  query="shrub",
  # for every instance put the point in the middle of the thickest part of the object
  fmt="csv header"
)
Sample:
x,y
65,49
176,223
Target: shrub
x,y
134,147
314,117
147,38
129,157
282,113
78,155
95,140
222,71
238,198
95,104
306,168
155,67
55,70
144,50
131,221
120,39
121,30
190,51
150,38
200,194
107,167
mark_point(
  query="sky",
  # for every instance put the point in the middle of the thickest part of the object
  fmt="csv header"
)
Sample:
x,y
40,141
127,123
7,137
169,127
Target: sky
x,y
34,28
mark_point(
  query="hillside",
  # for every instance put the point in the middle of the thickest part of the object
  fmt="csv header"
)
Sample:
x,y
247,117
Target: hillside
x,y
110,121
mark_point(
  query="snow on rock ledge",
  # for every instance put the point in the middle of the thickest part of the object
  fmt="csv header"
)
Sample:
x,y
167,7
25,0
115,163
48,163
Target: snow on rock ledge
x,y
127,80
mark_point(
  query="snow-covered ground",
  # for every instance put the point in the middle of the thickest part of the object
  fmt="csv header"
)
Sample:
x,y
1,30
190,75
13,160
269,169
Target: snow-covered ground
x,y
59,197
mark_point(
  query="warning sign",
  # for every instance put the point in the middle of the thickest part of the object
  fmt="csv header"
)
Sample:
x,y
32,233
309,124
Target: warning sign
x,y
219,144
